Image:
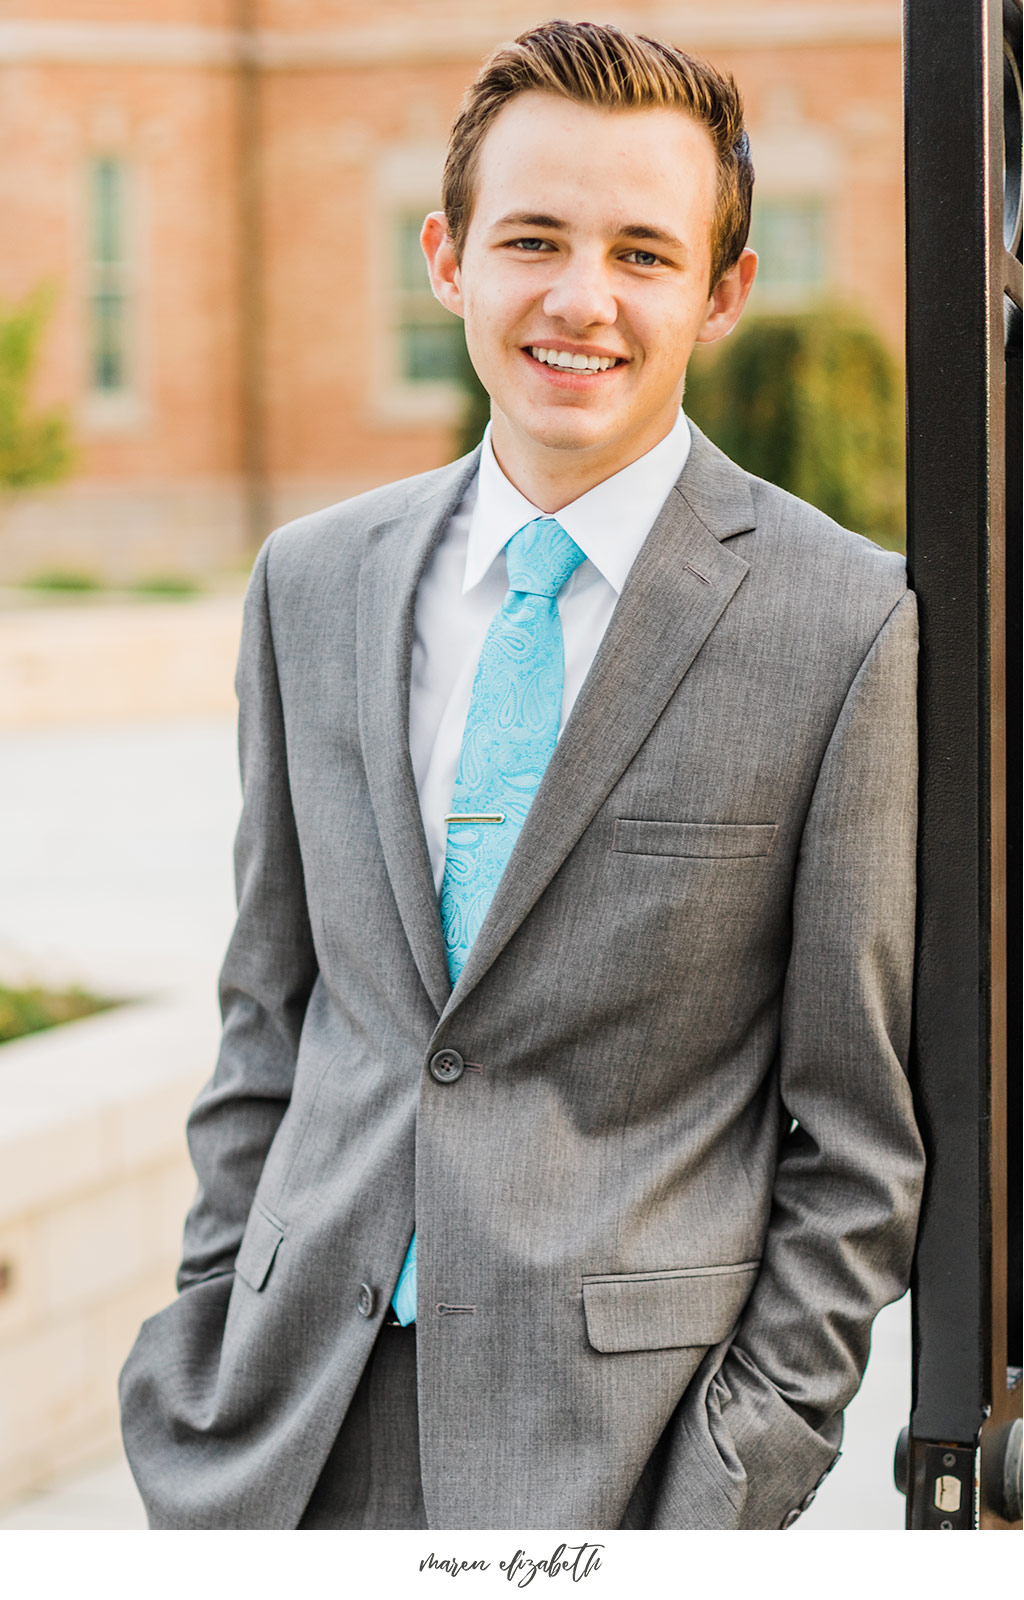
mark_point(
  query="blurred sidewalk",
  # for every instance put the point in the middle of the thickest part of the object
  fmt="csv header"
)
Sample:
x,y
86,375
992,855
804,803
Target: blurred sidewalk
x,y
121,877
102,1496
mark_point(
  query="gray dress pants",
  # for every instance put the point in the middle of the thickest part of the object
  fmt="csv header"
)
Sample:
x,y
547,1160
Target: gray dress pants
x,y
371,1479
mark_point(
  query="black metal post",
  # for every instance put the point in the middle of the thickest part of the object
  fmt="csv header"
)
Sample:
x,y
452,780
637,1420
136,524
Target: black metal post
x,y
962,81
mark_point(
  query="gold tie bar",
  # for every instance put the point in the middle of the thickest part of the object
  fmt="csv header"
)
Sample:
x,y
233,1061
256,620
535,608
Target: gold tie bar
x,y
475,816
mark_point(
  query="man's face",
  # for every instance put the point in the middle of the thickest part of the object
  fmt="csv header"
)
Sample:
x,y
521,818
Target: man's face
x,y
584,278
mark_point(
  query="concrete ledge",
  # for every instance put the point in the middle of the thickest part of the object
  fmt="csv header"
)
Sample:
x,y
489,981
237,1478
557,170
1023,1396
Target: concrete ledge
x,y
101,663
94,1185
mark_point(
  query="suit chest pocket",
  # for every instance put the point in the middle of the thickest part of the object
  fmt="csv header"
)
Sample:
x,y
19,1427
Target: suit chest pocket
x,y
706,841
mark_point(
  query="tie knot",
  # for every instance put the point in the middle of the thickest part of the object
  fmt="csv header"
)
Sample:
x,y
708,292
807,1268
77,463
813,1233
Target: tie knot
x,y
541,557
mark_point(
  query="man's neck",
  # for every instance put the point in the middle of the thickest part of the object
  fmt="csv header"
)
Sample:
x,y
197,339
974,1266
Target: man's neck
x,y
551,479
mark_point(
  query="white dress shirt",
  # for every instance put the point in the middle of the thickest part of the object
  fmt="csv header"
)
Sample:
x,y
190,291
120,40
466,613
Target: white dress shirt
x,y
465,582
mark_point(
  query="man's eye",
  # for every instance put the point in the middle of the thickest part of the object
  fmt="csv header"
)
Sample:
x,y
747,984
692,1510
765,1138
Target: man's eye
x,y
643,258
534,245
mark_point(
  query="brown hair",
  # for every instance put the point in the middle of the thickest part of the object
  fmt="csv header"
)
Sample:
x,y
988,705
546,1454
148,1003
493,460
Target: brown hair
x,y
603,66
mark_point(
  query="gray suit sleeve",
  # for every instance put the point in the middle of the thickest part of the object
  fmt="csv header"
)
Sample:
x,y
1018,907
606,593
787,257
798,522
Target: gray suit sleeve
x,y
268,973
848,1184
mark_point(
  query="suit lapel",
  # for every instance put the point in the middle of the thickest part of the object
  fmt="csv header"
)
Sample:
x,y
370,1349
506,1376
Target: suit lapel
x,y
679,586
397,553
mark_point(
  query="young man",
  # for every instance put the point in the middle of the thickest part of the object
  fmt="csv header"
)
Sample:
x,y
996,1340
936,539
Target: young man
x,y
575,882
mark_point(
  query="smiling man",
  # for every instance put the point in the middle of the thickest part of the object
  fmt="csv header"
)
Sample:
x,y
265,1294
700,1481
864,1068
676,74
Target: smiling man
x,y
559,1153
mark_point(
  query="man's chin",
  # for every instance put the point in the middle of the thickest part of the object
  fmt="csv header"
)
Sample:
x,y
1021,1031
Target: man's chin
x,y
573,434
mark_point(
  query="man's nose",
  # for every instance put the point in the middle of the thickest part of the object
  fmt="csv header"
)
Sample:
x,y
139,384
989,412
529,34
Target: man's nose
x,y
581,295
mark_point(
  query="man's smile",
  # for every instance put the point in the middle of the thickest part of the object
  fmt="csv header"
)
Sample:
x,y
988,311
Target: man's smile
x,y
576,360
572,368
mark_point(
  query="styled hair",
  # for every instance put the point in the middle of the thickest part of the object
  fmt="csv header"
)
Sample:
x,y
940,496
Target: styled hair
x,y
601,65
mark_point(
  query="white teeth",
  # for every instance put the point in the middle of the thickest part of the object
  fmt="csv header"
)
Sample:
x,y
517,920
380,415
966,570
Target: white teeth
x,y
565,358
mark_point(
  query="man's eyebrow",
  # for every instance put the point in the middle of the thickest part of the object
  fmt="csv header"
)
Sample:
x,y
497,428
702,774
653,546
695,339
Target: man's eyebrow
x,y
647,230
529,219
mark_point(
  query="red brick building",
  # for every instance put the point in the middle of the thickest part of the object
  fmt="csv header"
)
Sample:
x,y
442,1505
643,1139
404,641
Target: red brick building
x,y
224,196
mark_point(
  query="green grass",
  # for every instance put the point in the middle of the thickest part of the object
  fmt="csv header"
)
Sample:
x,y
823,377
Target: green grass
x,y
166,586
33,1008
64,582
158,586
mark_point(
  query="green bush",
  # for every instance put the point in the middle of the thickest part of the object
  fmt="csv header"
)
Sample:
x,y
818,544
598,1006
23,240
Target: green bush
x,y
814,403
476,412
34,448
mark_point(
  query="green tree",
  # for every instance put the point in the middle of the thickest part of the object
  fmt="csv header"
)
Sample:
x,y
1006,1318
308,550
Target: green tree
x,y
814,403
34,447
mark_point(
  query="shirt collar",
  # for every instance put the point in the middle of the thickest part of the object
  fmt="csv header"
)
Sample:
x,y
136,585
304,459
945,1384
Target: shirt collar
x,y
609,523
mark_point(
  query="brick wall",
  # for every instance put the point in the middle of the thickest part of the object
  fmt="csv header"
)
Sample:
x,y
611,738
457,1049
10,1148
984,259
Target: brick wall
x,y
348,113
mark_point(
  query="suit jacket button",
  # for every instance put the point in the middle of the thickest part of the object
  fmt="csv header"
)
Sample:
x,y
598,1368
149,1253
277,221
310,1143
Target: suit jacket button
x,y
790,1517
446,1066
366,1301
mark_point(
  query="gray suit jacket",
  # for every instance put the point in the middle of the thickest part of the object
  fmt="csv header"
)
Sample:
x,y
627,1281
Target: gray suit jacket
x,y
679,1175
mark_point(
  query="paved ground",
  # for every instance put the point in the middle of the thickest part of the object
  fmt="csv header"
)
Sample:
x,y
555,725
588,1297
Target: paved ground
x,y
121,878
121,873
102,1496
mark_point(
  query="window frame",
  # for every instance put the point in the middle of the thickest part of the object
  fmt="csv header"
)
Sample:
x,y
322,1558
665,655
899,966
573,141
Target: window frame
x,y
112,409
406,179
787,294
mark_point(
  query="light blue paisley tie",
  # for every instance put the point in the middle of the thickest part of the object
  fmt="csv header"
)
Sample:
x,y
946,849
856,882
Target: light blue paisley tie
x,y
511,732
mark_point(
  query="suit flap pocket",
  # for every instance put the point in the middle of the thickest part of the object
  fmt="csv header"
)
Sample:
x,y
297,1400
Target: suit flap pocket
x,y
661,1310
258,1248
724,840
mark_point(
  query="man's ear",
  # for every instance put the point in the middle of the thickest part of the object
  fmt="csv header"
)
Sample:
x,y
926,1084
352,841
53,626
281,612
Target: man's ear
x,y
728,298
445,277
